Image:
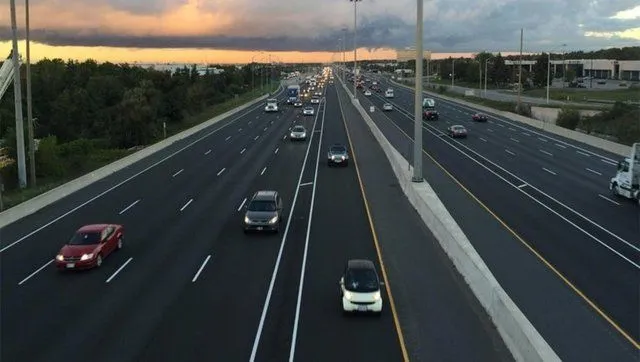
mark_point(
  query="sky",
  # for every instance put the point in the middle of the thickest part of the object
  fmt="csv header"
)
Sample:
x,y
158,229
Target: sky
x,y
238,31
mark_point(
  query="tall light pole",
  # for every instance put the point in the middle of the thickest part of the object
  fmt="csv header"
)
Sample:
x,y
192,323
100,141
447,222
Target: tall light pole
x,y
453,72
417,122
520,70
486,62
17,94
344,50
355,46
32,144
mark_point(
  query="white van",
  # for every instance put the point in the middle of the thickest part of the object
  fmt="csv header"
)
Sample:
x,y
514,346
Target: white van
x,y
388,93
272,105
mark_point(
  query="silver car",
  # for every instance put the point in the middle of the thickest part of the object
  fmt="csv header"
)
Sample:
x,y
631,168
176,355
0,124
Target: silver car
x,y
387,107
337,155
298,133
308,111
263,212
315,100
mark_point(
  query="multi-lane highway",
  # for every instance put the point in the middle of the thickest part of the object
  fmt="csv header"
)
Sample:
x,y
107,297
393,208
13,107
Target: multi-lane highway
x,y
550,191
190,285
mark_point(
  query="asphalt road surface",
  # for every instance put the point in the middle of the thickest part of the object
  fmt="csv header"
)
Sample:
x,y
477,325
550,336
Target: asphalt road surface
x,y
551,192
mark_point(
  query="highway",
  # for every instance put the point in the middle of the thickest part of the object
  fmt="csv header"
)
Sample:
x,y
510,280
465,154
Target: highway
x,y
190,285
552,192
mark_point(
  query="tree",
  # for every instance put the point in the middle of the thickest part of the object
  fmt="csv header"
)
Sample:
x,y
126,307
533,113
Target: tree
x,y
539,76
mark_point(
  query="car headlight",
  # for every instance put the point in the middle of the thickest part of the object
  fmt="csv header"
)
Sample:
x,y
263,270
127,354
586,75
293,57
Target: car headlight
x,y
291,135
376,296
273,220
347,295
60,257
304,134
247,220
86,256
343,157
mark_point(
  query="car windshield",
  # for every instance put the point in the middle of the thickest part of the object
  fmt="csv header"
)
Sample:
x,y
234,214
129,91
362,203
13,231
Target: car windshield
x,y
261,205
85,238
298,129
458,128
308,109
338,149
361,280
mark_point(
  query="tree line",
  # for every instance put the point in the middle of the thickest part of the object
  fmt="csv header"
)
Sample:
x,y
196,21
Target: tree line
x,y
86,109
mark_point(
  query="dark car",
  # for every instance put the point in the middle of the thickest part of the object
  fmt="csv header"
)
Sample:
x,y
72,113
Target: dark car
x,y
337,155
457,131
263,212
430,115
479,117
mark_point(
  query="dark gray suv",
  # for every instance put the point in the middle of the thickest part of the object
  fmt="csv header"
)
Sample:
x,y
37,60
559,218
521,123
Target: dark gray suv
x,y
263,212
337,155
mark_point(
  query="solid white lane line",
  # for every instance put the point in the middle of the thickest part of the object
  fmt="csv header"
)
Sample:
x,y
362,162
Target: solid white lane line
x,y
546,152
277,149
608,199
263,170
177,173
195,277
244,149
522,186
242,204
256,138
208,152
186,205
265,307
593,171
228,138
306,184
294,334
482,139
118,271
36,272
583,153
514,140
221,171
509,152
128,207
561,146
549,171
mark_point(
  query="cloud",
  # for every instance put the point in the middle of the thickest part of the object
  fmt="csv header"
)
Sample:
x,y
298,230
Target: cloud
x,y
313,25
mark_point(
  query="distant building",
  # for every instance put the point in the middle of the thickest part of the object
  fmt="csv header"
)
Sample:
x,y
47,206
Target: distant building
x,y
173,67
409,53
596,68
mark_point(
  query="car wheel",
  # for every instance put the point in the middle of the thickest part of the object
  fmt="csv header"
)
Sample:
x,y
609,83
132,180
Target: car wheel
x,y
119,243
615,190
99,260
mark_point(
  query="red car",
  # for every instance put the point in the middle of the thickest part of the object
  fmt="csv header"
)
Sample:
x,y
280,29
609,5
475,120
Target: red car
x,y
89,246
479,117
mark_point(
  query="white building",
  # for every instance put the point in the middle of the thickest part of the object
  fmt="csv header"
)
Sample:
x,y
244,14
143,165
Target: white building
x,y
597,68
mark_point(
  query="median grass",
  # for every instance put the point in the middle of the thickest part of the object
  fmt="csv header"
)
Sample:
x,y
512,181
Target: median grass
x,y
101,157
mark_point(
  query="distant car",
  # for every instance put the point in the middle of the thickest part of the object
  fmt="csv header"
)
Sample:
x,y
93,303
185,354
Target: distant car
x,y
298,133
360,287
318,94
456,131
479,117
337,155
315,100
387,107
367,92
263,212
297,103
89,246
430,115
308,111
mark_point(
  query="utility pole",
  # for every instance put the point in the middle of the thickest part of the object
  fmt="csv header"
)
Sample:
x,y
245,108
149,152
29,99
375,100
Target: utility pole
x,y
17,91
32,143
355,47
453,72
480,72
417,124
486,62
520,72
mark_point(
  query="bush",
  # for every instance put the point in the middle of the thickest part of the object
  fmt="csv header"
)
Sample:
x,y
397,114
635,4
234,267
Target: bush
x,y
442,89
48,160
523,109
568,118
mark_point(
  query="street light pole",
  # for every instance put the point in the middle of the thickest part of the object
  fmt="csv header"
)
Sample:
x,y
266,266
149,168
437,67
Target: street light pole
x,y
17,95
453,72
32,144
417,124
520,71
548,74
355,46
486,62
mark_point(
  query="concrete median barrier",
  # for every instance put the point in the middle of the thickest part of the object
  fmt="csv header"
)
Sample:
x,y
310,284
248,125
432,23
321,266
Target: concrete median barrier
x,y
31,206
519,335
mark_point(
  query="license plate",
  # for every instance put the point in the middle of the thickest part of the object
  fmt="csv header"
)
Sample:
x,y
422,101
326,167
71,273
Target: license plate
x,y
362,308
259,227
338,161
71,265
